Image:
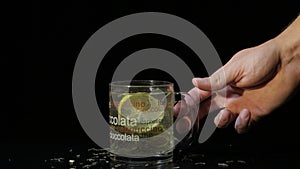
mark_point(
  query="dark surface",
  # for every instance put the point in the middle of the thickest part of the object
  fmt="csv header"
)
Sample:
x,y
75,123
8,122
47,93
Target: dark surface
x,y
45,38
194,157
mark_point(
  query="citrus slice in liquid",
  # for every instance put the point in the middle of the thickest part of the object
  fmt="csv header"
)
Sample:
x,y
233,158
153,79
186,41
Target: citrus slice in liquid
x,y
141,106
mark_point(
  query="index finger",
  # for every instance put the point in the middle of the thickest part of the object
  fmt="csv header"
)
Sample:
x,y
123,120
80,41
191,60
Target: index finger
x,y
199,95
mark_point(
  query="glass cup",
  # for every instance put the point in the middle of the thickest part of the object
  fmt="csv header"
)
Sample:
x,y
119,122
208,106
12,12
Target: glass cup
x,y
141,122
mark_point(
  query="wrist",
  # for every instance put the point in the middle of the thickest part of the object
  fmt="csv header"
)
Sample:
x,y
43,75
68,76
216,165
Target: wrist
x,y
288,43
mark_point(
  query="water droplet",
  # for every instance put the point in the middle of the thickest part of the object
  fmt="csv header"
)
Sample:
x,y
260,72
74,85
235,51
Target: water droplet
x,y
223,165
86,166
71,162
90,160
229,161
200,163
118,165
241,161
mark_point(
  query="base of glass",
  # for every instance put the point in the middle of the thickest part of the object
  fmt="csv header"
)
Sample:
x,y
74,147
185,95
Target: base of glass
x,y
142,162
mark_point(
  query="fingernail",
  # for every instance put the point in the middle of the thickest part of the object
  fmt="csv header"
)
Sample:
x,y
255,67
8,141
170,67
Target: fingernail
x,y
245,114
221,115
238,122
218,118
195,81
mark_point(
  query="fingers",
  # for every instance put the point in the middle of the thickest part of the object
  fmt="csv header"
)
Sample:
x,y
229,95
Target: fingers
x,y
242,123
202,83
183,125
242,120
186,110
224,118
195,97
179,108
187,116
199,95
217,80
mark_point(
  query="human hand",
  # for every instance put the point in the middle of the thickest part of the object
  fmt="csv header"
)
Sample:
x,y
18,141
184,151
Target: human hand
x,y
250,80
252,84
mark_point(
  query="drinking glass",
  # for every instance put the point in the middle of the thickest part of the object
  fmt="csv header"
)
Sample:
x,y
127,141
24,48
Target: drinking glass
x,y
141,122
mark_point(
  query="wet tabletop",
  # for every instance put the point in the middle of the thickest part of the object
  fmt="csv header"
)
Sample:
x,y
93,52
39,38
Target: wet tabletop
x,y
97,158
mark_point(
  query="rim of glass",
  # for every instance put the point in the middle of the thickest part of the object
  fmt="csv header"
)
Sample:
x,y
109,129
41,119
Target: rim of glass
x,y
140,83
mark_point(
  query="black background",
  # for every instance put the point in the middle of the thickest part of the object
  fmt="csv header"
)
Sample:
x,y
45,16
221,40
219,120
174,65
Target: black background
x,y
45,38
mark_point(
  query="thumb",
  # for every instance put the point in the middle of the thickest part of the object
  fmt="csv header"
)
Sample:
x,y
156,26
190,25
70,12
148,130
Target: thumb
x,y
218,80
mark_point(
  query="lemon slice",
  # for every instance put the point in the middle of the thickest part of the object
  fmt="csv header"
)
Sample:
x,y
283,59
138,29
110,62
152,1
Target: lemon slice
x,y
142,107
